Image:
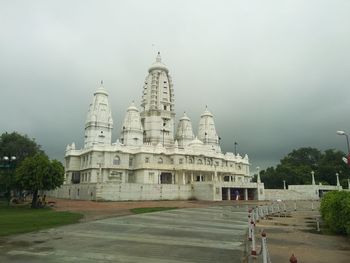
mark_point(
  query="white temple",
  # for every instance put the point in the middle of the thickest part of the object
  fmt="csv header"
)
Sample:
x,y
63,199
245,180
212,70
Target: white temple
x,y
150,161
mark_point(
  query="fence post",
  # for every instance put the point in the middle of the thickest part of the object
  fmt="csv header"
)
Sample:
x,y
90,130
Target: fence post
x,y
263,247
293,259
257,213
249,229
261,210
253,253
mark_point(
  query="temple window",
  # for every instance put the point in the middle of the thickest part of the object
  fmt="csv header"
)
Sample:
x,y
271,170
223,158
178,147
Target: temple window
x,y
116,160
160,160
147,160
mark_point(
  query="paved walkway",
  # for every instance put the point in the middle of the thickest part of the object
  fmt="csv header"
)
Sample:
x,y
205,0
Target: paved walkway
x,y
213,234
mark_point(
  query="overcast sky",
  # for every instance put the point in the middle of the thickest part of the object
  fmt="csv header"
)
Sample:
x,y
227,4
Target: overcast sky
x,y
275,74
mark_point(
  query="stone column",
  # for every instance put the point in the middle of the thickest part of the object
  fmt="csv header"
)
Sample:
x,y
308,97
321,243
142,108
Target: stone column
x,y
200,177
191,177
173,178
183,178
338,183
246,194
228,194
215,176
258,180
313,177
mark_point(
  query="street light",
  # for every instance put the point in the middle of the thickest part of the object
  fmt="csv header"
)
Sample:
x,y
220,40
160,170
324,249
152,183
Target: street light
x,y
347,138
8,163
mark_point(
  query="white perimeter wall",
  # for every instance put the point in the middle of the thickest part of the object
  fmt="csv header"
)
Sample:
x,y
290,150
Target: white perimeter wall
x,y
123,192
274,194
127,191
75,191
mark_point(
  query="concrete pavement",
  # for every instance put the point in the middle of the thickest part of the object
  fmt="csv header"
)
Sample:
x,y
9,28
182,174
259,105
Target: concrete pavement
x,y
212,234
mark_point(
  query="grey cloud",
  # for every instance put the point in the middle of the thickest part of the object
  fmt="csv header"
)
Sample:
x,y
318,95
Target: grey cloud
x,y
274,73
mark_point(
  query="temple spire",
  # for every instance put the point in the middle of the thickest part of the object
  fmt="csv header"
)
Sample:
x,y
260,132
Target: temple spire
x,y
159,59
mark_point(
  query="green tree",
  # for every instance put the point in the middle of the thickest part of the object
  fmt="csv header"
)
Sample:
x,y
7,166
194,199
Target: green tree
x,y
330,164
295,168
39,173
20,146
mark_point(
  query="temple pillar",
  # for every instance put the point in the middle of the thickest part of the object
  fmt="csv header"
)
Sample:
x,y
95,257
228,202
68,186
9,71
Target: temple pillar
x,y
183,178
246,194
228,193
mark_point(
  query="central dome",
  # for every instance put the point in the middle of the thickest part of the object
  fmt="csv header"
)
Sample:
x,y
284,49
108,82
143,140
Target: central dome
x,y
158,65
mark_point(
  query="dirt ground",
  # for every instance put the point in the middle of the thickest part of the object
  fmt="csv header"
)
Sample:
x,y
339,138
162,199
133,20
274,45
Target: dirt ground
x,y
99,210
297,234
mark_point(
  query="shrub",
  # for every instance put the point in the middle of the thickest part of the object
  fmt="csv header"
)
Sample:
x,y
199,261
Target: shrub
x,y
335,211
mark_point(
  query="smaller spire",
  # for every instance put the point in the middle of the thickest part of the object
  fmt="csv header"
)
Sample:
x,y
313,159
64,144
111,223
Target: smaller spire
x,y
158,59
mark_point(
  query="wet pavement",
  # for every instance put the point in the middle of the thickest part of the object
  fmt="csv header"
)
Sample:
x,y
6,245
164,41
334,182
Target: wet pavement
x,y
212,234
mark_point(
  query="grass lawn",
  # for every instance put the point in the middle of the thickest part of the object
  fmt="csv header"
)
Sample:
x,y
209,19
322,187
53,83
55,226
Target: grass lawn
x,y
21,219
150,209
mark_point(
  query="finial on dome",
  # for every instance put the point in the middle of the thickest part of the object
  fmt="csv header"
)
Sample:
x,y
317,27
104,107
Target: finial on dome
x,y
158,59
101,82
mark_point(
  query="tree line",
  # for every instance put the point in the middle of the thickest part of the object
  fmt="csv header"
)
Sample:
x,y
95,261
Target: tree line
x,y
296,167
31,171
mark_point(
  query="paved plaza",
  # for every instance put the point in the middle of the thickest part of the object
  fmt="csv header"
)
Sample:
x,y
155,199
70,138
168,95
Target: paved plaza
x,y
212,234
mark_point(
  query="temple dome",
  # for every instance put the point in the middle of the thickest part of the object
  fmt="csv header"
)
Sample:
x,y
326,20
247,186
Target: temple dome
x,y
195,142
158,65
132,107
101,90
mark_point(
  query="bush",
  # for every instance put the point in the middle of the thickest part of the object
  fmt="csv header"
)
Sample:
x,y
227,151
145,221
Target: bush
x,y
335,211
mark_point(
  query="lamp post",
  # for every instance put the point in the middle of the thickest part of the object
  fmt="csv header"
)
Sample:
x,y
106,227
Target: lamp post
x,y
347,139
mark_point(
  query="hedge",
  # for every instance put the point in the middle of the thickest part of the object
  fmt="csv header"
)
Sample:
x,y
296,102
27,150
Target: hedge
x,y
335,211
